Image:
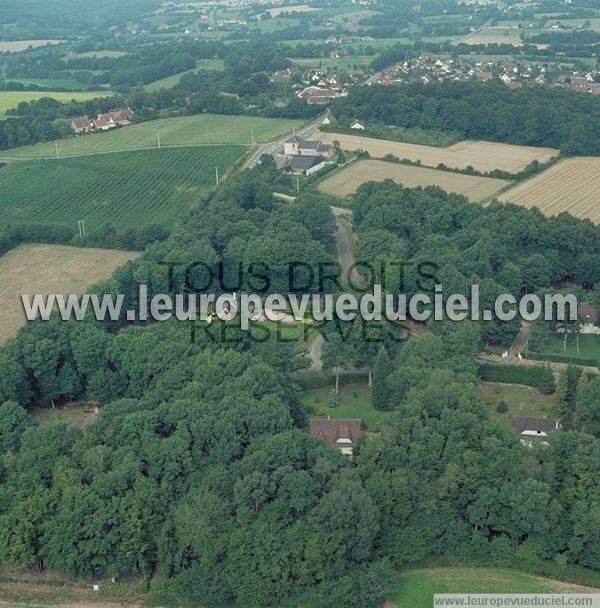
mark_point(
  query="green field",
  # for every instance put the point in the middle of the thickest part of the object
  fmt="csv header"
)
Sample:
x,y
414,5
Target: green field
x,y
589,347
171,81
101,54
53,83
123,190
355,403
342,63
521,400
199,129
11,99
415,589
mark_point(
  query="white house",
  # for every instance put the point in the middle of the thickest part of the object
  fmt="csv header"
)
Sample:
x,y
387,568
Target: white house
x,y
357,125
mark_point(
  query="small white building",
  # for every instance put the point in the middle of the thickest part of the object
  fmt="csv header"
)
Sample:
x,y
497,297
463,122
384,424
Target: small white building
x,y
357,125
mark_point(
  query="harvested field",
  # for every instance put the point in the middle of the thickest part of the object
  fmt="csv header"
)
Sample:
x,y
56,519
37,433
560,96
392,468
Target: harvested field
x,y
298,8
571,185
48,269
481,155
348,180
16,46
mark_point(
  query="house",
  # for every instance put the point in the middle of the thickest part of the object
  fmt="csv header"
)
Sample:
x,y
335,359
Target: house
x,y
305,165
535,427
295,146
81,124
104,122
589,318
317,95
357,125
579,85
343,433
118,117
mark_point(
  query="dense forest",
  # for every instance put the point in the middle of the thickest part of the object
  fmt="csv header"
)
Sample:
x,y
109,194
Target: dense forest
x,y
535,116
199,473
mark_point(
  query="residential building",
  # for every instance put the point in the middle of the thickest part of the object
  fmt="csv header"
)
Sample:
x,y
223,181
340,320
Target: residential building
x,y
342,434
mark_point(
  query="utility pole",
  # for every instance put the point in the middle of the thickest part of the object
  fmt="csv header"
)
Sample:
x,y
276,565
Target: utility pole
x,y
81,226
252,136
56,144
297,185
158,138
217,174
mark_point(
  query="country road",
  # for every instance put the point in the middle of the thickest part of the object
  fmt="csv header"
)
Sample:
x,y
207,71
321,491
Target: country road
x,y
273,147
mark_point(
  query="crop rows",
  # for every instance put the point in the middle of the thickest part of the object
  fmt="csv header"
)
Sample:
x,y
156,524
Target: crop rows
x,y
124,190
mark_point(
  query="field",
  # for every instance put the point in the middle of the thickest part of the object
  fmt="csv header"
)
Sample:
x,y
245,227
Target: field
x,y
571,185
355,402
101,54
341,63
11,99
51,83
415,589
589,347
181,131
299,8
481,155
125,189
347,180
49,269
17,46
171,81
492,35
521,400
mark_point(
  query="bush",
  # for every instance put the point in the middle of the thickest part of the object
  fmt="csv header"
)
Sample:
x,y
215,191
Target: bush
x,y
530,375
502,407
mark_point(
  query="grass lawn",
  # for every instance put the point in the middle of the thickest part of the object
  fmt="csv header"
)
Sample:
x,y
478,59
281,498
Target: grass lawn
x,y
521,400
415,589
589,347
71,414
171,81
355,403
128,189
11,99
199,129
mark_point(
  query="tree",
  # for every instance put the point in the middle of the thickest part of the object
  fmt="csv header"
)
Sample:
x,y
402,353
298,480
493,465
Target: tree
x,y
548,384
381,396
334,398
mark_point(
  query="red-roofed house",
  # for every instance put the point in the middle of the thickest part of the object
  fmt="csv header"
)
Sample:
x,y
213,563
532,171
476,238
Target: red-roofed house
x,y
342,434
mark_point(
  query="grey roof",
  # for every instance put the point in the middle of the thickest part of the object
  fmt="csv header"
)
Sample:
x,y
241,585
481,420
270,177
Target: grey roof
x,y
539,425
316,145
302,163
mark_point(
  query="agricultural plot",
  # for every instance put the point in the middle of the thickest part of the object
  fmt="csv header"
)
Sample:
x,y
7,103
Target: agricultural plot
x,y
171,81
197,130
342,63
492,35
123,190
484,156
16,46
348,180
45,269
299,8
54,83
571,185
11,99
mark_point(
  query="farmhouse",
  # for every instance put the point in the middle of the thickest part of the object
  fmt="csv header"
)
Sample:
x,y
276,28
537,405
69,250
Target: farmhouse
x,y
81,125
317,95
299,147
343,433
305,165
535,427
357,125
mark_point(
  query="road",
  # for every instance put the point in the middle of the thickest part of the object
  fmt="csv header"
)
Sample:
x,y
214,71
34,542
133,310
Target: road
x,y
273,147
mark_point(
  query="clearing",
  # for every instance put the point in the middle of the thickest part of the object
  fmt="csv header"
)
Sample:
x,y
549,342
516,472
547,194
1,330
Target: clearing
x,y
11,99
347,181
355,402
197,130
16,46
521,400
48,269
124,190
484,156
415,588
571,185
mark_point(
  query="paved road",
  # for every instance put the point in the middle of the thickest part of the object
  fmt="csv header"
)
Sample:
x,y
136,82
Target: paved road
x,y
273,147
521,340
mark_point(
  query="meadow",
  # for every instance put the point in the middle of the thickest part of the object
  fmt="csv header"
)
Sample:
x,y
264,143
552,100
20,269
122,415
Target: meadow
x,y
484,156
48,269
16,46
199,129
171,81
347,181
415,588
123,190
11,99
53,83
571,185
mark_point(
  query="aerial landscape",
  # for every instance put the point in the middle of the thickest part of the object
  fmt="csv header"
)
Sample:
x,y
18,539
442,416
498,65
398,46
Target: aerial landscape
x,y
300,303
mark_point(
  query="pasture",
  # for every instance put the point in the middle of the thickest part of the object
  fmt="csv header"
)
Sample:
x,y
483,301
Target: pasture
x,y
347,181
484,156
52,83
492,35
298,8
11,99
571,185
171,81
45,269
415,588
124,190
16,46
196,130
